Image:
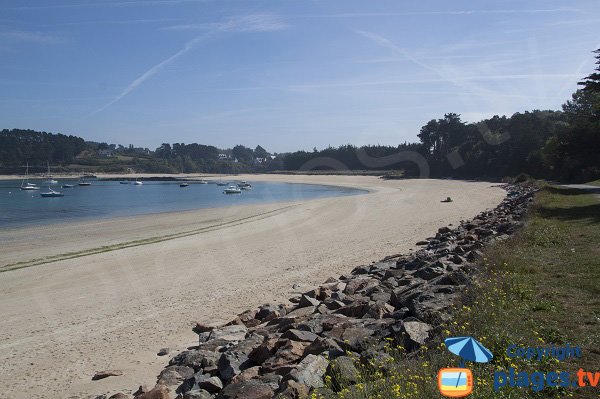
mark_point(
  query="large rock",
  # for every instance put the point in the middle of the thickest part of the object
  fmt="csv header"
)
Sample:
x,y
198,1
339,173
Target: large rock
x,y
158,392
310,371
324,345
355,309
343,372
175,375
232,363
301,312
252,389
196,358
293,390
210,384
268,312
379,310
265,350
359,284
197,394
415,333
288,353
429,272
228,333
308,301
299,335
247,375
356,338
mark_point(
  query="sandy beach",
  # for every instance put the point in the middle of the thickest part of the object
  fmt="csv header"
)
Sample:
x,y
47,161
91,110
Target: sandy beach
x,y
114,308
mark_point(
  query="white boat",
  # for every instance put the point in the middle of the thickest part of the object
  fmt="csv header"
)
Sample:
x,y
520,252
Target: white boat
x,y
49,179
137,183
52,193
232,190
67,186
25,185
184,185
244,185
202,181
82,182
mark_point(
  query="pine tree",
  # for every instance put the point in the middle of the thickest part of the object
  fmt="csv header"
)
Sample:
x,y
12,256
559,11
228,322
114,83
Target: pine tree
x,y
592,82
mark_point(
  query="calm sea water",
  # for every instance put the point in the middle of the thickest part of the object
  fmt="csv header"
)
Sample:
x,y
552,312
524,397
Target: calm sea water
x,y
106,199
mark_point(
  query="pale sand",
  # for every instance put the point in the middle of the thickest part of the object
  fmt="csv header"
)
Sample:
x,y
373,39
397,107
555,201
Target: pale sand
x,y
63,321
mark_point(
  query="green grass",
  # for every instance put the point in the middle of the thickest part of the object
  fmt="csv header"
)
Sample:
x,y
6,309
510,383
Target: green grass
x,y
594,183
540,287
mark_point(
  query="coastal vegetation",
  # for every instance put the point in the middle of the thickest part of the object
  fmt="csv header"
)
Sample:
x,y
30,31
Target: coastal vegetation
x,y
537,289
549,144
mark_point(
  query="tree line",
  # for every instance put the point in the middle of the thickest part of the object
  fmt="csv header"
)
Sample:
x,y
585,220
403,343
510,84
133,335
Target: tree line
x,y
561,145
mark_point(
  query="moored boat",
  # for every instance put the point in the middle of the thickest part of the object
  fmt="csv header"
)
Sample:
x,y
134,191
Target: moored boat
x,y
25,185
83,183
232,190
49,179
244,185
52,193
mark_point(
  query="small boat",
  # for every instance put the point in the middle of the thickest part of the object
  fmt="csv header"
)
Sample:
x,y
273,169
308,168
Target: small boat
x,y
232,190
83,183
244,185
202,181
123,182
137,183
184,185
52,193
67,186
25,185
49,179
29,186
221,182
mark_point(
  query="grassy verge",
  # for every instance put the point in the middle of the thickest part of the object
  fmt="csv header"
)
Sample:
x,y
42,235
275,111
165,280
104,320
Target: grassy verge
x,y
541,287
594,183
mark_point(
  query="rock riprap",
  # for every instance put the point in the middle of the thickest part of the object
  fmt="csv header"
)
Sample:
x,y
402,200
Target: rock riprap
x,y
284,351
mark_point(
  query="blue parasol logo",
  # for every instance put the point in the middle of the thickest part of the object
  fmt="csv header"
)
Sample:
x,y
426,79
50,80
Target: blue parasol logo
x,y
458,382
468,348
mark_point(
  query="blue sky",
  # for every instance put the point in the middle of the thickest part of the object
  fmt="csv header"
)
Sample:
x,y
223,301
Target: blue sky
x,y
283,74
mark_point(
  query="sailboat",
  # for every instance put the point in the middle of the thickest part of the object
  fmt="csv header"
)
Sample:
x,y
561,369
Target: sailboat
x,y
25,185
221,182
82,181
49,179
